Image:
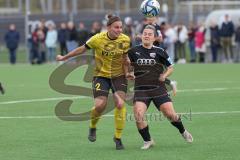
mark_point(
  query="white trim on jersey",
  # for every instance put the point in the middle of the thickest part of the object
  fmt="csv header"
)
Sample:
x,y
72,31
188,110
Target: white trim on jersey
x,y
159,48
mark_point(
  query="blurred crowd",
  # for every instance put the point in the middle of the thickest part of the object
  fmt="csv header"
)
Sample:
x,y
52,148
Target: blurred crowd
x,y
184,43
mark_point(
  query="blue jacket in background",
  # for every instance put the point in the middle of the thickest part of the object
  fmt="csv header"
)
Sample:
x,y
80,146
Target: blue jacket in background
x,y
62,35
227,29
215,36
12,38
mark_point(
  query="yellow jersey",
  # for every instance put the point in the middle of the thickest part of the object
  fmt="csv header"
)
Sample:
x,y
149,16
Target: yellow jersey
x,y
108,54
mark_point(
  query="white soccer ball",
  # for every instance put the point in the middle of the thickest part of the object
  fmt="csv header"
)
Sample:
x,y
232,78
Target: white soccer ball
x,y
150,8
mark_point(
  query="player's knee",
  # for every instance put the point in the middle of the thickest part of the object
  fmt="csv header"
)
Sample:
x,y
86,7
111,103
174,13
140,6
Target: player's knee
x,y
100,106
100,109
139,121
139,116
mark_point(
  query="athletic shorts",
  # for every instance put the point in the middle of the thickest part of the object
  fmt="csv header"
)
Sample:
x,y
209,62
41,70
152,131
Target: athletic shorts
x,y
102,85
148,95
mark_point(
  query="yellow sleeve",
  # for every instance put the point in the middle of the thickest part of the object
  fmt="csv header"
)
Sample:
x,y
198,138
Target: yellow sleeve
x,y
127,45
91,43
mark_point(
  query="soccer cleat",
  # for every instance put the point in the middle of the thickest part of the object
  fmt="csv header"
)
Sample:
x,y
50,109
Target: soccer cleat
x,y
174,87
1,89
118,142
187,136
148,144
92,134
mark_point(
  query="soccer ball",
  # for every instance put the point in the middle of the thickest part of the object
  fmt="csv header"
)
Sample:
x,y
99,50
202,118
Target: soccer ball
x,y
150,8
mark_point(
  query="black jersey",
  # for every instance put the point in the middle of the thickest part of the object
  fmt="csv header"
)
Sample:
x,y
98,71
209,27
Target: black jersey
x,y
148,65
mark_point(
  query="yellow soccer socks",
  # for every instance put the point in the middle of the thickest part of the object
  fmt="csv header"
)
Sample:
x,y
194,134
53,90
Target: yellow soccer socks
x,y
95,116
120,118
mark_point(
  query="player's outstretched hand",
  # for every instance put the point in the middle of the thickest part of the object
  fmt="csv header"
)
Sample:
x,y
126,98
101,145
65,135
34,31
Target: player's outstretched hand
x,y
60,58
130,76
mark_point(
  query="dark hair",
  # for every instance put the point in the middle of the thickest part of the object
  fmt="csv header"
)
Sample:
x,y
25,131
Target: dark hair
x,y
149,26
112,19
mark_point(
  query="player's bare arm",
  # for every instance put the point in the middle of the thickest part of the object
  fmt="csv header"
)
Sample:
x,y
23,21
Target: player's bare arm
x,y
75,52
166,74
128,69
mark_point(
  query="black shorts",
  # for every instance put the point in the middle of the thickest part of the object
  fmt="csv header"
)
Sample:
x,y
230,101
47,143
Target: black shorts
x,y
102,85
157,95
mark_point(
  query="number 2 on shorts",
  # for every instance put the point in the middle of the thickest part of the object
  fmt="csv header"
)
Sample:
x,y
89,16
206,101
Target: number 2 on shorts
x,y
97,86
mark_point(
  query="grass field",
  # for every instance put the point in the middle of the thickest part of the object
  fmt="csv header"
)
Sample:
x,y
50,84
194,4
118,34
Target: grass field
x,y
22,56
29,129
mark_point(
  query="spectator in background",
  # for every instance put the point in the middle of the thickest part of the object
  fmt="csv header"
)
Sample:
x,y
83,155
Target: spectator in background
x,y
62,38
214,41
180,50
96,28
12,38
191,43
41,37
227,31
35,56
51,42
169,41
237,40
104,25
83,34
71,37
43,26
162,29
128,29
200,43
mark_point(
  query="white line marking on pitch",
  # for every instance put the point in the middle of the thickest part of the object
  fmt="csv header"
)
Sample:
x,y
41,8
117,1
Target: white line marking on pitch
x,y
203,90
208,82
81,97
42,100
111,115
